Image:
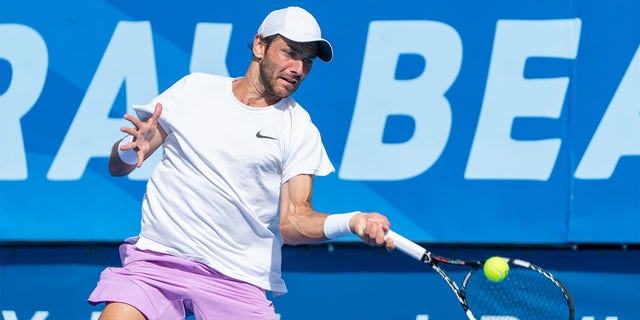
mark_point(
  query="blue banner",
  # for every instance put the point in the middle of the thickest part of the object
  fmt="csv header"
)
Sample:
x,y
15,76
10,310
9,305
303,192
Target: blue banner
x,y
53,283
463,121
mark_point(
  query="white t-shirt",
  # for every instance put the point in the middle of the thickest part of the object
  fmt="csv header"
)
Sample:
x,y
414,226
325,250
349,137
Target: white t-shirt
x,y
214,197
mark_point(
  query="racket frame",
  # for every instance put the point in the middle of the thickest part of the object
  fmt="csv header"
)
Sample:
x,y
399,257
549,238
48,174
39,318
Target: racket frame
x,y
419,253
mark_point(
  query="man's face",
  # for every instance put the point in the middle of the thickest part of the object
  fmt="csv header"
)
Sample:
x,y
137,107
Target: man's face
x,y
284,65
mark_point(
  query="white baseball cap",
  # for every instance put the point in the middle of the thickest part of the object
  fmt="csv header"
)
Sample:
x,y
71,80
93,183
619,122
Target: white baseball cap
x,y
296,24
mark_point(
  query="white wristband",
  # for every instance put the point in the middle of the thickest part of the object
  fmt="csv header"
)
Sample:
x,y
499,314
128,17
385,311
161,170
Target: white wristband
x,y
129,157
337,225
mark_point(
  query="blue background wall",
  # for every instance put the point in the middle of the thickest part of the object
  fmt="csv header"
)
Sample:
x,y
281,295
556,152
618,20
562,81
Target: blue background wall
x,y
347,282
466,122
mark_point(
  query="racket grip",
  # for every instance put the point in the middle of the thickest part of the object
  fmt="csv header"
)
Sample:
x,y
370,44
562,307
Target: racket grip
x,y
405,245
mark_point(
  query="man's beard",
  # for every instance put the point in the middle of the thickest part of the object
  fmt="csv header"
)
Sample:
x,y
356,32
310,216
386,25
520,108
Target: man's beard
x,y
268,82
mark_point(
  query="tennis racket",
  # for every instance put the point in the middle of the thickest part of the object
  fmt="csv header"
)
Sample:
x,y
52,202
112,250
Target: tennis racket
x,y
527,293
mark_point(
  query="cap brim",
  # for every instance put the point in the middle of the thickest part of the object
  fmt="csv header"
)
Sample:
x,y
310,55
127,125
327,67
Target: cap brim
x,y
325,51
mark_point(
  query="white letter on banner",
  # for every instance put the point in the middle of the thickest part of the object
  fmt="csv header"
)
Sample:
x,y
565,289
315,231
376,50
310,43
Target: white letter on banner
x,y
11,315
618,133
129,58
380,95
210,45
26,52
494,154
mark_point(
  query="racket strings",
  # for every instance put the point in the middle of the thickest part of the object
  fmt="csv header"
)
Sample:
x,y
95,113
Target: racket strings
x,y
524,294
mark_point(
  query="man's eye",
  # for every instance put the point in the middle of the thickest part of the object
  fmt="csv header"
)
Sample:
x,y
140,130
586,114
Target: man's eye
x,y
308,60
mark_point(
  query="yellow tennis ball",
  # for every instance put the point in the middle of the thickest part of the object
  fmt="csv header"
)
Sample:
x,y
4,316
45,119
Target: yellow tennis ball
x,y
496,269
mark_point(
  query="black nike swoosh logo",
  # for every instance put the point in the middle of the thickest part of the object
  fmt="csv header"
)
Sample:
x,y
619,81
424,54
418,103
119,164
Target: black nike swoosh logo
x,y
259,135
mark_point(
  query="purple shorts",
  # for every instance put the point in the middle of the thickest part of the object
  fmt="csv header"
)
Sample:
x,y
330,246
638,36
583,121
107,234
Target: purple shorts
x,y
162,286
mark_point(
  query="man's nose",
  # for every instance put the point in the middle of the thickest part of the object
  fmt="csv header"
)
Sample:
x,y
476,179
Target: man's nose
x,y
297,67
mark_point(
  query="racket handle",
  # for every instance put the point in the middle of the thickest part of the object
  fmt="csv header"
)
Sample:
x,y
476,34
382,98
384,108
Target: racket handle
x,y
405,245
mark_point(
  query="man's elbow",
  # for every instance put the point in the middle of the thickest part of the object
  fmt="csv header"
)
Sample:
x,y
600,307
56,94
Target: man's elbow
x,y
295,236
285,234
290,235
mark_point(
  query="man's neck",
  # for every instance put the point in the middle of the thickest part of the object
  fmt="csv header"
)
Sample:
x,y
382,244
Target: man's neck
x,y
250,91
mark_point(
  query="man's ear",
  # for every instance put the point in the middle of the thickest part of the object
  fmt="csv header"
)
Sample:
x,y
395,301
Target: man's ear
x,y
259,46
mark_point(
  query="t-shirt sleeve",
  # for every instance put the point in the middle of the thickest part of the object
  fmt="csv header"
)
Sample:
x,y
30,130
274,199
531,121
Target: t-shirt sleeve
x,y
307,155
168,99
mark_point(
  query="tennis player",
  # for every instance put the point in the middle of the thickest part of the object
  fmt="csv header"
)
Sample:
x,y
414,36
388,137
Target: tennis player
x,y
234,185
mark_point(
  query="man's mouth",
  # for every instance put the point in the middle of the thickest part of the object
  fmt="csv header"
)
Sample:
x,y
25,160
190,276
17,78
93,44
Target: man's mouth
x,y
289,80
